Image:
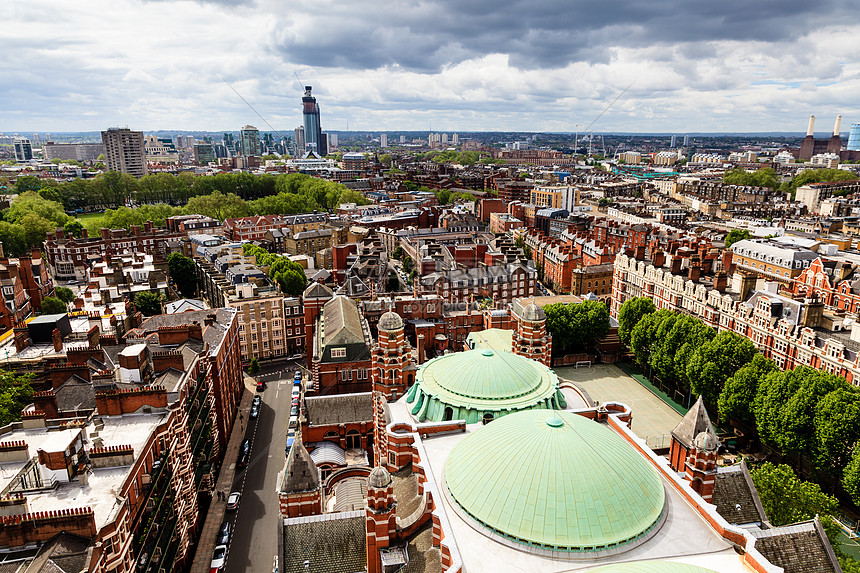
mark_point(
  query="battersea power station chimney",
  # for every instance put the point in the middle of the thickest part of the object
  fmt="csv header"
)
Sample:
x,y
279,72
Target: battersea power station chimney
x,y
837,126
811,129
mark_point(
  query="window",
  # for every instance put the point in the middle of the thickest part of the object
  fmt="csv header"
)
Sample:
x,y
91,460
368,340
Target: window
x,y
337,352
353,439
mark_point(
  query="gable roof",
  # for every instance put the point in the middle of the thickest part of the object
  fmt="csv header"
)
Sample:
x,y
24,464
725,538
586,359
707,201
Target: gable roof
x,y
735,496
694,422
342,322
798,548
341,409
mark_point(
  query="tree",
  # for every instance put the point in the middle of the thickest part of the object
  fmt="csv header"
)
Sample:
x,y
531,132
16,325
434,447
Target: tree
x,y
788,499
714,362
218,206
837,429
148,303
292,282
65,294
15,394
739,391
398,253
851,476
764,177
815,176
254,367
408,264
27,183
577,326
676,341
183,272
73,228
736,235
53,305
630,314
644,334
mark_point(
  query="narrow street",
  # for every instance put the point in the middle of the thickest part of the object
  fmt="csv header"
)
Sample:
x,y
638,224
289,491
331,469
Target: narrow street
x,y
255,524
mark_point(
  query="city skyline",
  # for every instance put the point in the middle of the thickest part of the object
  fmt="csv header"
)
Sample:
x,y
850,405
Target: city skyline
x,y
455,67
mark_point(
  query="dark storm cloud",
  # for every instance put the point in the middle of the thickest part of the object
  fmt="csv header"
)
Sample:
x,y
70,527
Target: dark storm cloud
x,y
425,36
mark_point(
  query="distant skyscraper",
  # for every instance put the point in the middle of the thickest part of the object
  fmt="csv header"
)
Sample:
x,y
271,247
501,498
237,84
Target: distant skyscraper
x,y
455,139
249,141
300,140
23,149
331,138
854,137
672,142
204,153
402,139
383,140
444,139
686,140
124,151
230,143
313,130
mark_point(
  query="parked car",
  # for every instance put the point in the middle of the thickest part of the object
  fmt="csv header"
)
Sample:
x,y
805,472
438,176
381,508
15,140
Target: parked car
x,y
296,391
233,500
297,375
290,441
261,386
294,410
255,411
218,557
257,401
223,534
244,454
295,356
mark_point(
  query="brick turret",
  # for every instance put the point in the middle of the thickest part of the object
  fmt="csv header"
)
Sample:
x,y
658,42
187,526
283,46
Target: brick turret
x,y
392,367
530,338
380,516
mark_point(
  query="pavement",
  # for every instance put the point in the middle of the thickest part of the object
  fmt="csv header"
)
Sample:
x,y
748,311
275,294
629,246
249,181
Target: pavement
x,y
652,418
217,509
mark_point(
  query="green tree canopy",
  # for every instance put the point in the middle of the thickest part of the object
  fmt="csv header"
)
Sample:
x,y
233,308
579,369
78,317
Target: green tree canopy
x,y
808,176
183,272
837,429
630,314
53,305
788,499
736,235
577,326
764,177
739,391
65,294
715,361
148,303
15,394
73,228
27,183
254,367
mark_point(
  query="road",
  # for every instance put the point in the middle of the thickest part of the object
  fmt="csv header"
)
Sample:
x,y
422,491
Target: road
x,y
255,524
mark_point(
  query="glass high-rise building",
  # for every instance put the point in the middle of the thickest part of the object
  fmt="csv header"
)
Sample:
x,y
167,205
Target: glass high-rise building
x,y
314,139
249,141
23,149
854,138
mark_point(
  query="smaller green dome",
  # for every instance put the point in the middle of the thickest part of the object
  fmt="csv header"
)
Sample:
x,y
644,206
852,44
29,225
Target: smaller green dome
x,y
651,567
468,385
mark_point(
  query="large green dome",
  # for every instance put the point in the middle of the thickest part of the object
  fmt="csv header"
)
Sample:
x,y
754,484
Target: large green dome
x,y
555,481
651,567
467,385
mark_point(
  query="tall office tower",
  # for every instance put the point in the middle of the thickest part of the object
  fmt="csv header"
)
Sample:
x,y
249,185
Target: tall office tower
x,y
314,139
444,139
383,140
430,139
23,149
455,139
220,151
36,140
300,141
672,142
180,139
190,142
249,141
332,140
402,139
204,153
686,140
124,151
230,143
854,137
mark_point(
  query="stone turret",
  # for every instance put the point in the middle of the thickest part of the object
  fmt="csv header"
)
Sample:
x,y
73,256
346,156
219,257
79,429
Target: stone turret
x,y
530,338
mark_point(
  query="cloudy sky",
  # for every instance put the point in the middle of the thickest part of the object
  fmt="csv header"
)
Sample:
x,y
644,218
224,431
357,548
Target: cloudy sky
x,y
453,65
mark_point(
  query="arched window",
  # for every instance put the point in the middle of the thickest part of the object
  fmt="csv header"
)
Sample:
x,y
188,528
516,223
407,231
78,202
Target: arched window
x,y
332,437
353,439
449,413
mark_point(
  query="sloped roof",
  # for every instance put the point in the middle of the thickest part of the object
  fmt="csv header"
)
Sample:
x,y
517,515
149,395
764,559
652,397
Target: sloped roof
x,y
736,497
342,322
301,473
341,409
694,422
75,394
799,548
331,543
317,290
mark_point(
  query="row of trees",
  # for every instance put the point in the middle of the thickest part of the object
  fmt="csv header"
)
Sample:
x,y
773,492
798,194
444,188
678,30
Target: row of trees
x,y
767,177
287,274
804,413
34,213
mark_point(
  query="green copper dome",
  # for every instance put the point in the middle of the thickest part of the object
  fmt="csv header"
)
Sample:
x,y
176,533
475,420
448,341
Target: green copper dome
x,y
651,567
468,385
556,481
